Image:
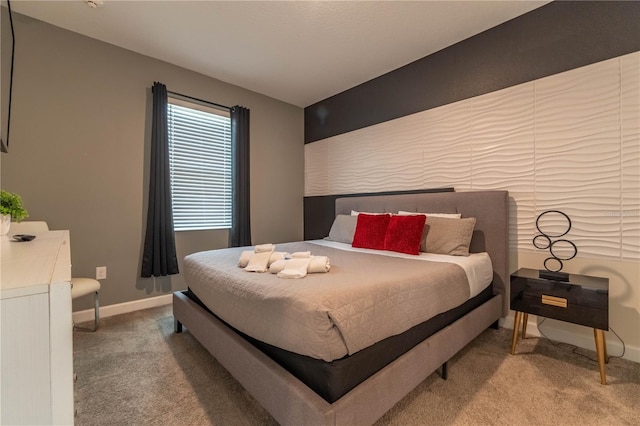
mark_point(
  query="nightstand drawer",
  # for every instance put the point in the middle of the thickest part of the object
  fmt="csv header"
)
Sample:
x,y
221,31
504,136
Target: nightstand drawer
x,y
577,314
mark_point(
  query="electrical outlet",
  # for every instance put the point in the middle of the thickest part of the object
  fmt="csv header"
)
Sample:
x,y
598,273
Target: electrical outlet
x,y
101,273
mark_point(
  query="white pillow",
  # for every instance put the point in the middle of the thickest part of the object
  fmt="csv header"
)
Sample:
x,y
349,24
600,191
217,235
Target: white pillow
x,y
446,215
343,229
355,213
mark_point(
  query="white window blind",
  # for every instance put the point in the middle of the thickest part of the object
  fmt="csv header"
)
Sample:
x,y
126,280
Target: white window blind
x,y
200,166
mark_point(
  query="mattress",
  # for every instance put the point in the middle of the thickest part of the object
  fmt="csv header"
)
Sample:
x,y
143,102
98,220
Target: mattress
x,y
367,297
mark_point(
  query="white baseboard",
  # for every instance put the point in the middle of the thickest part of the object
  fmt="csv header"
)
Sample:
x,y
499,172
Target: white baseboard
x,y
586,341
123,308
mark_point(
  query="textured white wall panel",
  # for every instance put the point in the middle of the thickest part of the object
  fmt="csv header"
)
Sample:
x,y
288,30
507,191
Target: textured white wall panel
x,y
630,128
341,165
594,230
569,142
316,169
403,153
502,140
577,121
522,220
577,153
370,146
502,150
447,146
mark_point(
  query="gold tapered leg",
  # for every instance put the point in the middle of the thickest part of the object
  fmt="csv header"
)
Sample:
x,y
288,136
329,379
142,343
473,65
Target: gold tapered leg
x,y
525,319
516,328
601,352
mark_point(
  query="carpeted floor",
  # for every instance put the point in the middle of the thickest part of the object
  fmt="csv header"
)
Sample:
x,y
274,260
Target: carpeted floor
x,y
135,371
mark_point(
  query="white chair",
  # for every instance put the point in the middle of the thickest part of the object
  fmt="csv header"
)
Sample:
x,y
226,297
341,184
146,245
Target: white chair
x,y
79,286
83,287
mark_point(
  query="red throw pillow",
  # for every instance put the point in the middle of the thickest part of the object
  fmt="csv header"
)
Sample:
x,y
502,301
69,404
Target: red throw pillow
x,y
370,231
404,234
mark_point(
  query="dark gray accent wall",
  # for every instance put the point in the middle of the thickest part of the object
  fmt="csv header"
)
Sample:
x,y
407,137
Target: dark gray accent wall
x,y
557,37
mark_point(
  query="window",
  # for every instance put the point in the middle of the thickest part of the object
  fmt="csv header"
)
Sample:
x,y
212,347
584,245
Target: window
x,y
200,166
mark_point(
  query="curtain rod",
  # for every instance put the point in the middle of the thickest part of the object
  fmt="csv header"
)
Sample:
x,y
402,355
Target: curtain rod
x,y
200,100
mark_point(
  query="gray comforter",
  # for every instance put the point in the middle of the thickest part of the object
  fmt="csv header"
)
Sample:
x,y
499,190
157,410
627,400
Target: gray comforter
x,y
362,300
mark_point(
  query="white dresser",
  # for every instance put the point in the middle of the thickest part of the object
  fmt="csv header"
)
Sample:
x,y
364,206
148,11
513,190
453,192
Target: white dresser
x,y
37,336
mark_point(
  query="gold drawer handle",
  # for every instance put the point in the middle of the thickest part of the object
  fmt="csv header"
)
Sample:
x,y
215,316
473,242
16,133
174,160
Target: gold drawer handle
x,y
555,301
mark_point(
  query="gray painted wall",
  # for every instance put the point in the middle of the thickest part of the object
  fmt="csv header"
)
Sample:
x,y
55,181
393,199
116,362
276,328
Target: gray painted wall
x,y
79,152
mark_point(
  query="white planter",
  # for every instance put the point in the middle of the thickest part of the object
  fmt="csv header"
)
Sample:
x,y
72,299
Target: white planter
x,y
5,224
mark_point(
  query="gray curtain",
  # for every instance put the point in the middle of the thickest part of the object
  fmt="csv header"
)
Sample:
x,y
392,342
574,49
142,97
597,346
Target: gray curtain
x,y
240,232
159,257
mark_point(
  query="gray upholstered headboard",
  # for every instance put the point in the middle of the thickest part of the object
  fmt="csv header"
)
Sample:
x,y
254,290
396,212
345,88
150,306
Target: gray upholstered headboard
x,y
490,208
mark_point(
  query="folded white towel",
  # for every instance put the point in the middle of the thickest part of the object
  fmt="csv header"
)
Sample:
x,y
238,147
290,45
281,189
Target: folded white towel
x,y
260,248
245,256
296,268
277,255
277,266
300,254
317,265
259,262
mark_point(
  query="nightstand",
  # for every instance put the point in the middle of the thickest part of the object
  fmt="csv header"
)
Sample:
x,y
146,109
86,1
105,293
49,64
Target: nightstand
x,y
582,300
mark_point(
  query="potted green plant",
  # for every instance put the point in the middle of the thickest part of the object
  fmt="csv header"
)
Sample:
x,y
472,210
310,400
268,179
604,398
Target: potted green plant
x,y
11,207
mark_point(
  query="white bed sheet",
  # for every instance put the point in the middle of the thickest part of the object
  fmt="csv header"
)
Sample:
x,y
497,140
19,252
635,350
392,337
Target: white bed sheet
x,y
477,266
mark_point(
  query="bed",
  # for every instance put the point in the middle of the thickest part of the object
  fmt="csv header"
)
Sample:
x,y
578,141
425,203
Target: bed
x,y
346,379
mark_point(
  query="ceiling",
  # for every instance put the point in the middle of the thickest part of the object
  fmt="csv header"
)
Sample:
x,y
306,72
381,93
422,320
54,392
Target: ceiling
x,y
299,52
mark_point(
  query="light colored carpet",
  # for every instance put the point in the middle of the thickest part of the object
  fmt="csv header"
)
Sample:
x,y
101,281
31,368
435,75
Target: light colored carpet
x,y
135,371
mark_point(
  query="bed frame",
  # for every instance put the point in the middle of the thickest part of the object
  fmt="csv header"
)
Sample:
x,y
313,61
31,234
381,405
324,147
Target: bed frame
x,y
290,401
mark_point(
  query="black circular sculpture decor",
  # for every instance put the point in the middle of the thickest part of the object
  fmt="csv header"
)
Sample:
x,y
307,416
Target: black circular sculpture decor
x,y
546,240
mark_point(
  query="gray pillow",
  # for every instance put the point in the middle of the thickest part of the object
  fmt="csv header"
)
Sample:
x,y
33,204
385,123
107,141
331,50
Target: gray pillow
x,y
343,228
448,236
